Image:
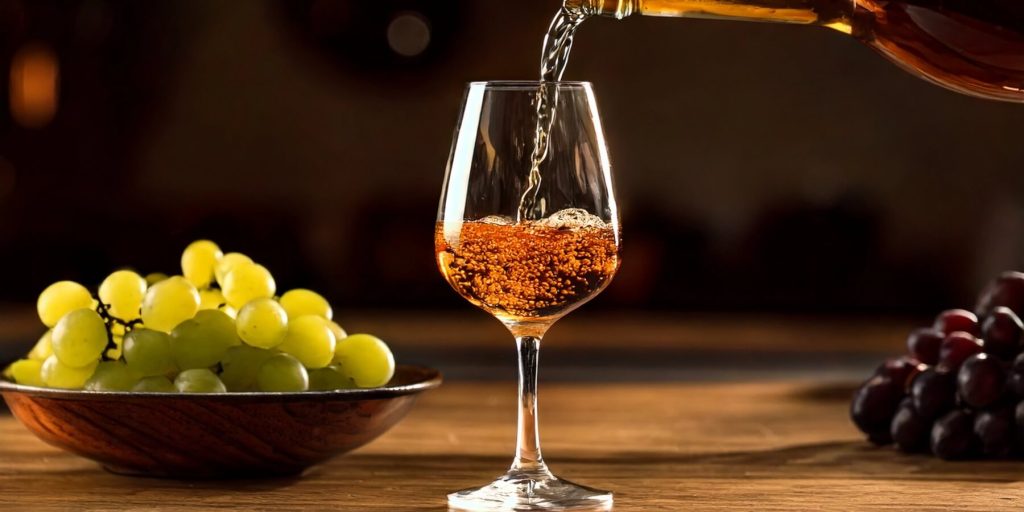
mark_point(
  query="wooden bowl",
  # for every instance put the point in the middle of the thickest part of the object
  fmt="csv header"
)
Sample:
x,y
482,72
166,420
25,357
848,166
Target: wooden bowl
x,y
228,435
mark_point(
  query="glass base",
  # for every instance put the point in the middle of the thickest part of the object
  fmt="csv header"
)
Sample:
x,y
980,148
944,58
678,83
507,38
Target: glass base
x,y
519,490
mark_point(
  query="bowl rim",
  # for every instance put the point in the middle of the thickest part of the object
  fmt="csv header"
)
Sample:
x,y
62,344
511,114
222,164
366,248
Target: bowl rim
x,y
431,379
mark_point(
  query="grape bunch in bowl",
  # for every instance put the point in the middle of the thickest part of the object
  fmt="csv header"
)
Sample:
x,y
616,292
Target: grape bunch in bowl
x,y
218,327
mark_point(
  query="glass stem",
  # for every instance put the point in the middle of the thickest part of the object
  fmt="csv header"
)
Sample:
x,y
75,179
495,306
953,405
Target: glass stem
x,y
528,457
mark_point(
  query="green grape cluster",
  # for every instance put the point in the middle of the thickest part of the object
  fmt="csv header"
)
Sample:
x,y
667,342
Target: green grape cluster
x,y
218,327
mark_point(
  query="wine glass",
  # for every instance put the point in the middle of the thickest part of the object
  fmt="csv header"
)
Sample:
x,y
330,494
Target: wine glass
x,y
528,230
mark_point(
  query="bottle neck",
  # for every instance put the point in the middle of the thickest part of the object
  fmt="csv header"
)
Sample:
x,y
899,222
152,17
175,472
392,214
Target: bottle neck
x,y
807,12
613,8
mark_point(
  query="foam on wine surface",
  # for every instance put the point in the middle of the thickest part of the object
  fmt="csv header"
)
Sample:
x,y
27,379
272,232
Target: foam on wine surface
x,y
572,218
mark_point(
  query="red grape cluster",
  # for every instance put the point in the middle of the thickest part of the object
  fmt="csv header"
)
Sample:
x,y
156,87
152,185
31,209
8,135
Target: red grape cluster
x,y
959,393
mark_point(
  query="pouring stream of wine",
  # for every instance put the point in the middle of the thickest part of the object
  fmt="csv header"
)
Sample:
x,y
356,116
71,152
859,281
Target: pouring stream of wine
x,y
554,58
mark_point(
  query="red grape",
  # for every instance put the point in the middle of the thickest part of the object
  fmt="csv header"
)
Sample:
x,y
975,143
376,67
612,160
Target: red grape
x,y
1006,290
909,430
1002,332
953,320
952,436
957,347
995,431
1015,382
981,381
1019,422
933,392
873,406
924,344
900,370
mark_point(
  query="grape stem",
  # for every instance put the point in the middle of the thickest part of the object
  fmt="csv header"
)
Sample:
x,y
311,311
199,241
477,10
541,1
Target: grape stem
x,y
108,321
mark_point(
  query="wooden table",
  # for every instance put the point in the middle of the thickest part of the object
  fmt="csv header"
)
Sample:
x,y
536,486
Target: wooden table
x,y
659,446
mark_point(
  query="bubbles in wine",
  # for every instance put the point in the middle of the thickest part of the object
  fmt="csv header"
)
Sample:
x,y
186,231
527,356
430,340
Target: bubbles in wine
x,y
528,270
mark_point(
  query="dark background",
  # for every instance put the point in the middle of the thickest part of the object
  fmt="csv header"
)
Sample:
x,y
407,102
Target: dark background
x,y
761,168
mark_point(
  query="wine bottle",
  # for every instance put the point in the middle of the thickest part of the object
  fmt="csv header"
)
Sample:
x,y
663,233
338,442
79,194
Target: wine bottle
x,y
974,47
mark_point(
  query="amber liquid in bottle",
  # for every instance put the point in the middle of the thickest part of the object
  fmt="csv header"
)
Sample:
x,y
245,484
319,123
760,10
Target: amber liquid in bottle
x,y
974,47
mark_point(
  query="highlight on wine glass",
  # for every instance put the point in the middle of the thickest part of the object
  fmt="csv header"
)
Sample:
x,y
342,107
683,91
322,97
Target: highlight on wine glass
x,y
528,230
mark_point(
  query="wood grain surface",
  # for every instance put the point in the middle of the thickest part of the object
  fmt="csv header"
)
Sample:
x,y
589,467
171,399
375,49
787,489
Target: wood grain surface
x,y
672,446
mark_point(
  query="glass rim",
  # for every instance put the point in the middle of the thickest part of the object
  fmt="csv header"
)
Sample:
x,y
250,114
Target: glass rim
x,y
528,84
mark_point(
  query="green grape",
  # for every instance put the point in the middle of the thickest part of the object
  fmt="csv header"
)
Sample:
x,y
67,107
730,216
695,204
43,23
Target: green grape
x,y
211,299
27,372
158,384
262,323
282,372
79,338
168,303
198,262
227,263
240,364
148,352
326,379
229,311
111,376
310,340
58,375
154,278
339,333
43,348
59,299
300,302
123,291
365,359
202,341
199,380
246,282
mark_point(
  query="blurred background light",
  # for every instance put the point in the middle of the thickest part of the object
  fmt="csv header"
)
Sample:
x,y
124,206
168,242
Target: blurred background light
x,y
408,34
35,75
